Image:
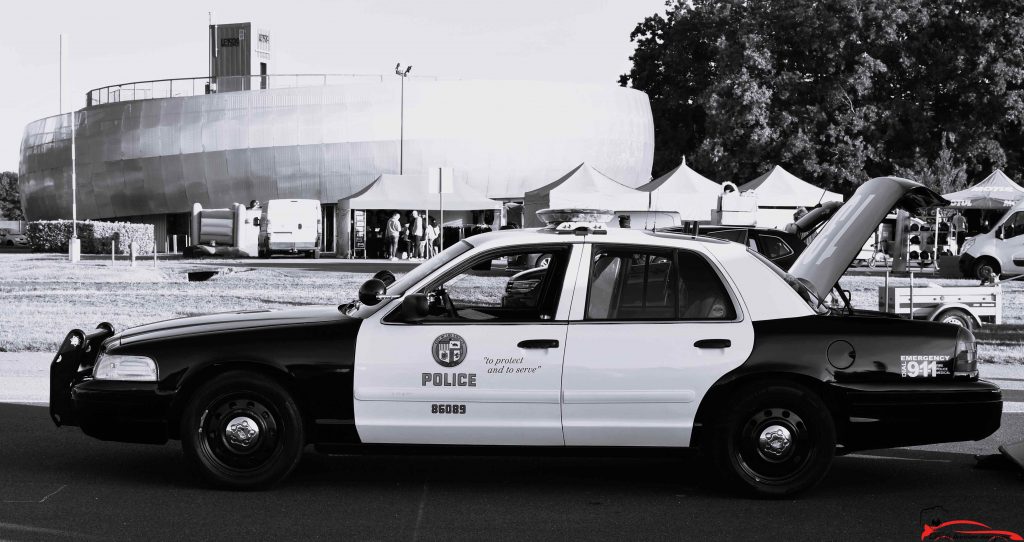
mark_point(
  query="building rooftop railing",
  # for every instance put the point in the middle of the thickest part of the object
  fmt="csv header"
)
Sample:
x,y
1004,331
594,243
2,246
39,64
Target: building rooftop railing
x,y
196,86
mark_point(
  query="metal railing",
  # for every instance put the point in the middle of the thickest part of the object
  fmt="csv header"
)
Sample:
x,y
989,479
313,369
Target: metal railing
x,y
197,86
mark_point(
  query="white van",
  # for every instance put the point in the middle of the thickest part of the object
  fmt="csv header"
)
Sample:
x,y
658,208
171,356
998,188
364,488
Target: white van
x,y
290,226
1000,251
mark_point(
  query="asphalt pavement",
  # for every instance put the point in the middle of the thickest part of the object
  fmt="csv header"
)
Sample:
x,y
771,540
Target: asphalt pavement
x,y
58,484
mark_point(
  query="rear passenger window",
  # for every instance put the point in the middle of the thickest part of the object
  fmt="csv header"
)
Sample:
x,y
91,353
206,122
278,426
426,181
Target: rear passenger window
x,y
654,285
702,296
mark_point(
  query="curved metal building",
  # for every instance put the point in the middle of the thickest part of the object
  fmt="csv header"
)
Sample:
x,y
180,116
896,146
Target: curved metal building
x,y
150,158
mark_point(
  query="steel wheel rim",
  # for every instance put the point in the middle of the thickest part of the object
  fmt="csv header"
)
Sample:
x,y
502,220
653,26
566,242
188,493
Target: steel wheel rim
x,y
955,320
758,461
240,432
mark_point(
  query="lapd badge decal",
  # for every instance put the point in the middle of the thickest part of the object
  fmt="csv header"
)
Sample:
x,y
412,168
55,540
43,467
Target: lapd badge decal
x,y
449,350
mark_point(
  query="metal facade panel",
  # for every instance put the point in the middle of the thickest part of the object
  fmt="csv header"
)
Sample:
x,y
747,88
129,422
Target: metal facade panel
x,y
172,173
328,141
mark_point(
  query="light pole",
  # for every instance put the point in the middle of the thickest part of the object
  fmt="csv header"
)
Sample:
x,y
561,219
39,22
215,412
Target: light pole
x,y
401,115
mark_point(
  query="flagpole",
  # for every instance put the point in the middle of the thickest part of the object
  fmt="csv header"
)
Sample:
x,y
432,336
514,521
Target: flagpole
x,y
74,245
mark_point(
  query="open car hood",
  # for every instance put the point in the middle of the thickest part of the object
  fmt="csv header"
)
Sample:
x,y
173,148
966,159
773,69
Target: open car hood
x,y
840,240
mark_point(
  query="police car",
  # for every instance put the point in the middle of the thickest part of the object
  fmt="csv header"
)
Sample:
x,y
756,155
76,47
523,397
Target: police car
x,y
633,339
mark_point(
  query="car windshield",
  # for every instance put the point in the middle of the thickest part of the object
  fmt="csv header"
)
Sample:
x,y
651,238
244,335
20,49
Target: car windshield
x,y
798,286
418,273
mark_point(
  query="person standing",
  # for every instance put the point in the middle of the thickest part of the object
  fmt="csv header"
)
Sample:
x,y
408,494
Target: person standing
x,y
959,224
416,236
429,236
394,229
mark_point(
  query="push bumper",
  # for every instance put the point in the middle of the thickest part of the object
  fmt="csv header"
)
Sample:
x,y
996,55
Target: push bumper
x,y
910,414
108,410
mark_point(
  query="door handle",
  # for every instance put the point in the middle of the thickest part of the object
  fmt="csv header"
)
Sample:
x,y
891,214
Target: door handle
x,y
538,343
713,343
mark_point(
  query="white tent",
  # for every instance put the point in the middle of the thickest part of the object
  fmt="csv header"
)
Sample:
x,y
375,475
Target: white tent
x,y
584,188
684,191
409,193
779,193
996,191
412,192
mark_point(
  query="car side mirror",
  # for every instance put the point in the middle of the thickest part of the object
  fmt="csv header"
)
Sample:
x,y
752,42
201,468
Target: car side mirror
x,y
256,221
372,292
1000,233
415,307
385,276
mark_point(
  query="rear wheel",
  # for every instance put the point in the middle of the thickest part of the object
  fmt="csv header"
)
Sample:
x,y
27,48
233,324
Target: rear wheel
x,y
957,317
776,440
242,431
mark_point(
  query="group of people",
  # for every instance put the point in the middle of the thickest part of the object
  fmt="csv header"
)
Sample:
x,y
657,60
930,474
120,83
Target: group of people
x,y
421,237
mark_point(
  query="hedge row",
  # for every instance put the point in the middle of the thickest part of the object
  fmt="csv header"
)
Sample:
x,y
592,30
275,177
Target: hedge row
x,y
53,235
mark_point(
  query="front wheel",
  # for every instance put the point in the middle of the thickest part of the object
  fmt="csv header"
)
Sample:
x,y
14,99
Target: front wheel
x,y
986,268
776,441
242,431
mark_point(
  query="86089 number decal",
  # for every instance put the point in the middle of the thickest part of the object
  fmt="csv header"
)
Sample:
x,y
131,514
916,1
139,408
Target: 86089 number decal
x,y
447,409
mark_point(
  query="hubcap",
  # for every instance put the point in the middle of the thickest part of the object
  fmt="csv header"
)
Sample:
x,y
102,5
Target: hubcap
x,y
242,433
774,442
774,446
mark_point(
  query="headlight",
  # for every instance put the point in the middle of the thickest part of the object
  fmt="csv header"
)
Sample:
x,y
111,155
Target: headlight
x,y
114,367
966,355
968,243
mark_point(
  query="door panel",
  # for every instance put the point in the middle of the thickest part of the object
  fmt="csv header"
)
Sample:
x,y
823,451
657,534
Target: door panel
x,y
489,373
630,380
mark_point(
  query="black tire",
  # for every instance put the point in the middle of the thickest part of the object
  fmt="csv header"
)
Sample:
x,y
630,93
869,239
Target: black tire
x,y
10,243
984,266
958,317
242,459
744,444
543,260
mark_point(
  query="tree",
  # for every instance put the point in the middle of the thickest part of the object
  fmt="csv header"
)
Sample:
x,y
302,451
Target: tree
x,y
838,91
10,198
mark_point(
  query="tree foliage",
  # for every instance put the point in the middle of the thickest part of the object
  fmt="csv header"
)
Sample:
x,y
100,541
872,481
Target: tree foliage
x,y
10,199
837,91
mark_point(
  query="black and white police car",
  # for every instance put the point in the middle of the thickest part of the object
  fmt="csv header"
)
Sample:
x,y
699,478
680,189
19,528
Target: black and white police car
x,y
635,339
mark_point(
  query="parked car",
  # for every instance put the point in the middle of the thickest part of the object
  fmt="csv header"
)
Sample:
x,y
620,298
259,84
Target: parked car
x,y
997,251
9,238
780,247
290,226
634,339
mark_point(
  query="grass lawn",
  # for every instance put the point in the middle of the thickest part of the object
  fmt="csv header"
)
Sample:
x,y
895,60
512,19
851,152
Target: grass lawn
x,y
42,297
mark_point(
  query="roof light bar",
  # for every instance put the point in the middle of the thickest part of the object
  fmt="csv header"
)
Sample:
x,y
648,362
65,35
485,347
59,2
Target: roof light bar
x,y
576,221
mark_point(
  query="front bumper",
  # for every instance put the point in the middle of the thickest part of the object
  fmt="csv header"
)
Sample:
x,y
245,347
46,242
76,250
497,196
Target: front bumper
x,y
885,415
966,264
107,410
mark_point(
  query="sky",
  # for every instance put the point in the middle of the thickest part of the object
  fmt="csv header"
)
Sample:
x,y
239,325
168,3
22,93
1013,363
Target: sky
x,y
115,41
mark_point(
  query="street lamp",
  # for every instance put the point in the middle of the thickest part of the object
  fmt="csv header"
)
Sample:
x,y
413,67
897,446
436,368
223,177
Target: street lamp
x,y
401,115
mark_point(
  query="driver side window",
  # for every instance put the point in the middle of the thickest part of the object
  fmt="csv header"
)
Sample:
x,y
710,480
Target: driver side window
x,y
1014,226
511,285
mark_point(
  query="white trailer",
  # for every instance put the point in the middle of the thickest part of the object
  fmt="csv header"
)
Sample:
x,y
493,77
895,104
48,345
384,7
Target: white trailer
x,y
967,306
